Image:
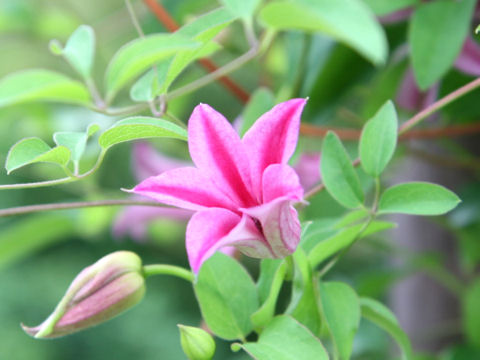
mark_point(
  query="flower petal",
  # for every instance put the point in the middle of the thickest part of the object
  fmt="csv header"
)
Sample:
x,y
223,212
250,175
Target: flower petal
x,y
205,232
410,97
280,225
186,188
272,138
281,180
133,220
219,229
307,168
216,149
148,162
469,59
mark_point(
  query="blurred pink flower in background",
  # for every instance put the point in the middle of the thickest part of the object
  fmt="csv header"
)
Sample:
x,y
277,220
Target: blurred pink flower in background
x,y
134,220
241,189
409,96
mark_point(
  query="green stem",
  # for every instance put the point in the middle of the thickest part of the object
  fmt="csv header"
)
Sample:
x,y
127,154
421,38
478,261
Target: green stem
x,y
20,210
70,178
161,269
92,88
134,18
38,184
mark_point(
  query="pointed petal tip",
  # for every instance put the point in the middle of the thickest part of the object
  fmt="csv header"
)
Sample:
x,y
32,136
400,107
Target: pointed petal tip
x,y
32,331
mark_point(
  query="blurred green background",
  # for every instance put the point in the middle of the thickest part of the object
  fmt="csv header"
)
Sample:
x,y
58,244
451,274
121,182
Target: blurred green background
x,y
41,254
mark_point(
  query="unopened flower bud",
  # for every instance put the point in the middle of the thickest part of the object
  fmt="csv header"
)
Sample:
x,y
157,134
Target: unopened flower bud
x,y
100,292
197,344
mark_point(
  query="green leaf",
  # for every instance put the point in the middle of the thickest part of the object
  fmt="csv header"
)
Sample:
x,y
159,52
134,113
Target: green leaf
x,y
41,85
80,50
382,7
33,150
436,35
286,339
471,312
303,304
316,231
74,141
351,218
30,234
341,309
272,274
348,21
241,8
338,174
260,102
380,315
329,246
143,89
378,140
417,198
227,296
92,129
140,127
203,29
138,55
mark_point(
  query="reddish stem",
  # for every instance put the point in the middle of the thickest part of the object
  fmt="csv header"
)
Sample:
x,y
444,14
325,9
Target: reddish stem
x,y
171,25
432,133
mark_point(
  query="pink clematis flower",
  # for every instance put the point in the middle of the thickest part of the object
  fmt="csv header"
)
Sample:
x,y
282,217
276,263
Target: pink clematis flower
x,y
241,189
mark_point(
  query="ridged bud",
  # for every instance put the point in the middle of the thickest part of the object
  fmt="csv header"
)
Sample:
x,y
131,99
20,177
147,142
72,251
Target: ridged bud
x,y
197,344
100,292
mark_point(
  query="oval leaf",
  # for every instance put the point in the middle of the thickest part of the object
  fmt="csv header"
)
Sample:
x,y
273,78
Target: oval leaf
x,y
80,50
227,296
286,339
303,303
327,246
437,32
380,315
272,273
140,128
41,85
378,140
138,55
338,174
74,141
341,309
417,198
471,312
32,150
242,8
348,21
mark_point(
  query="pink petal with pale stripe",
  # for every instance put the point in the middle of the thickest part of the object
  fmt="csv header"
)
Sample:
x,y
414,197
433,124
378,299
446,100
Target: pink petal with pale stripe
x,y
205,232
219,230
273,138
280,225
216,148
187,188
280,180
